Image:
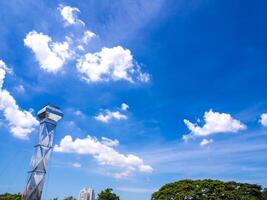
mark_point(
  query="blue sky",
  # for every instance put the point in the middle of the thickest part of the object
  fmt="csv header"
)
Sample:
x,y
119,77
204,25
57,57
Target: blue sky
x,y
193,74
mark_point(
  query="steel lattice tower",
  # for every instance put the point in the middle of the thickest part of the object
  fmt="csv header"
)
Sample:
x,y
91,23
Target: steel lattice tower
x,y
48,116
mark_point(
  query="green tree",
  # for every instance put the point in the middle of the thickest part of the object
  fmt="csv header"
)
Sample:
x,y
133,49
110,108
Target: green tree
x,y
208,189
8,196
107,194
69,198
264,193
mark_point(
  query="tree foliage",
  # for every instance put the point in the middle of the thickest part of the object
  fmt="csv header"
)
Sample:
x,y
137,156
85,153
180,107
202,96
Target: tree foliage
x,y
209,189
8,196
107,194
264,193
69,198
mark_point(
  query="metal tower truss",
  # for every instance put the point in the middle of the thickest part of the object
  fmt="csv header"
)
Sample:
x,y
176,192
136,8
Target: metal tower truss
x,y
49,116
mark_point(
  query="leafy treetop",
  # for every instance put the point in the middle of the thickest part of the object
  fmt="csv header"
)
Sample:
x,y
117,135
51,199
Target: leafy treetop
x,y
8,196
209,189
107,194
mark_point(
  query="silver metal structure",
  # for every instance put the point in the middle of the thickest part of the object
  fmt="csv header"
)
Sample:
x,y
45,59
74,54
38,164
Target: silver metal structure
x,y
48,116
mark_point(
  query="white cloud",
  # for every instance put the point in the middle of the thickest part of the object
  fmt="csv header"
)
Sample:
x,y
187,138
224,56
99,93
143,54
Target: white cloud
x,y
124,106
50,55
86,38
20,88
215,122
206,142
110,64
88,35
2,73
263,119
76,165
109,142
21,122
69,15
120,175
104,154
79,113
109,115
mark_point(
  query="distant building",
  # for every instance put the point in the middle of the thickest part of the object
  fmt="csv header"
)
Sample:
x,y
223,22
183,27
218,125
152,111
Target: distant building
x,y
87,194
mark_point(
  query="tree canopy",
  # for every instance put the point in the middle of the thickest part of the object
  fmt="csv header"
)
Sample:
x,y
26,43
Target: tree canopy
x,y
8,196
264,193
209,189
69,198
107,194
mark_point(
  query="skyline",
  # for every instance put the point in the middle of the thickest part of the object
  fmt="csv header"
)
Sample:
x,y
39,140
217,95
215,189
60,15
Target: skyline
x,y
152,92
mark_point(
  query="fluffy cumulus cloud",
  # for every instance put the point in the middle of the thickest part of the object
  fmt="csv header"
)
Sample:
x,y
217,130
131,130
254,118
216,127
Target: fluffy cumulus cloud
x,y
206,142
50,55
69,15
104,153
2,73
263,119
108,115
110,64
21,122
215,122
124,106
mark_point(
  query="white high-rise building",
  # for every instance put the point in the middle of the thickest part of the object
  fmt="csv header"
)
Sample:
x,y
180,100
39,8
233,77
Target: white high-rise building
x,y
87,194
